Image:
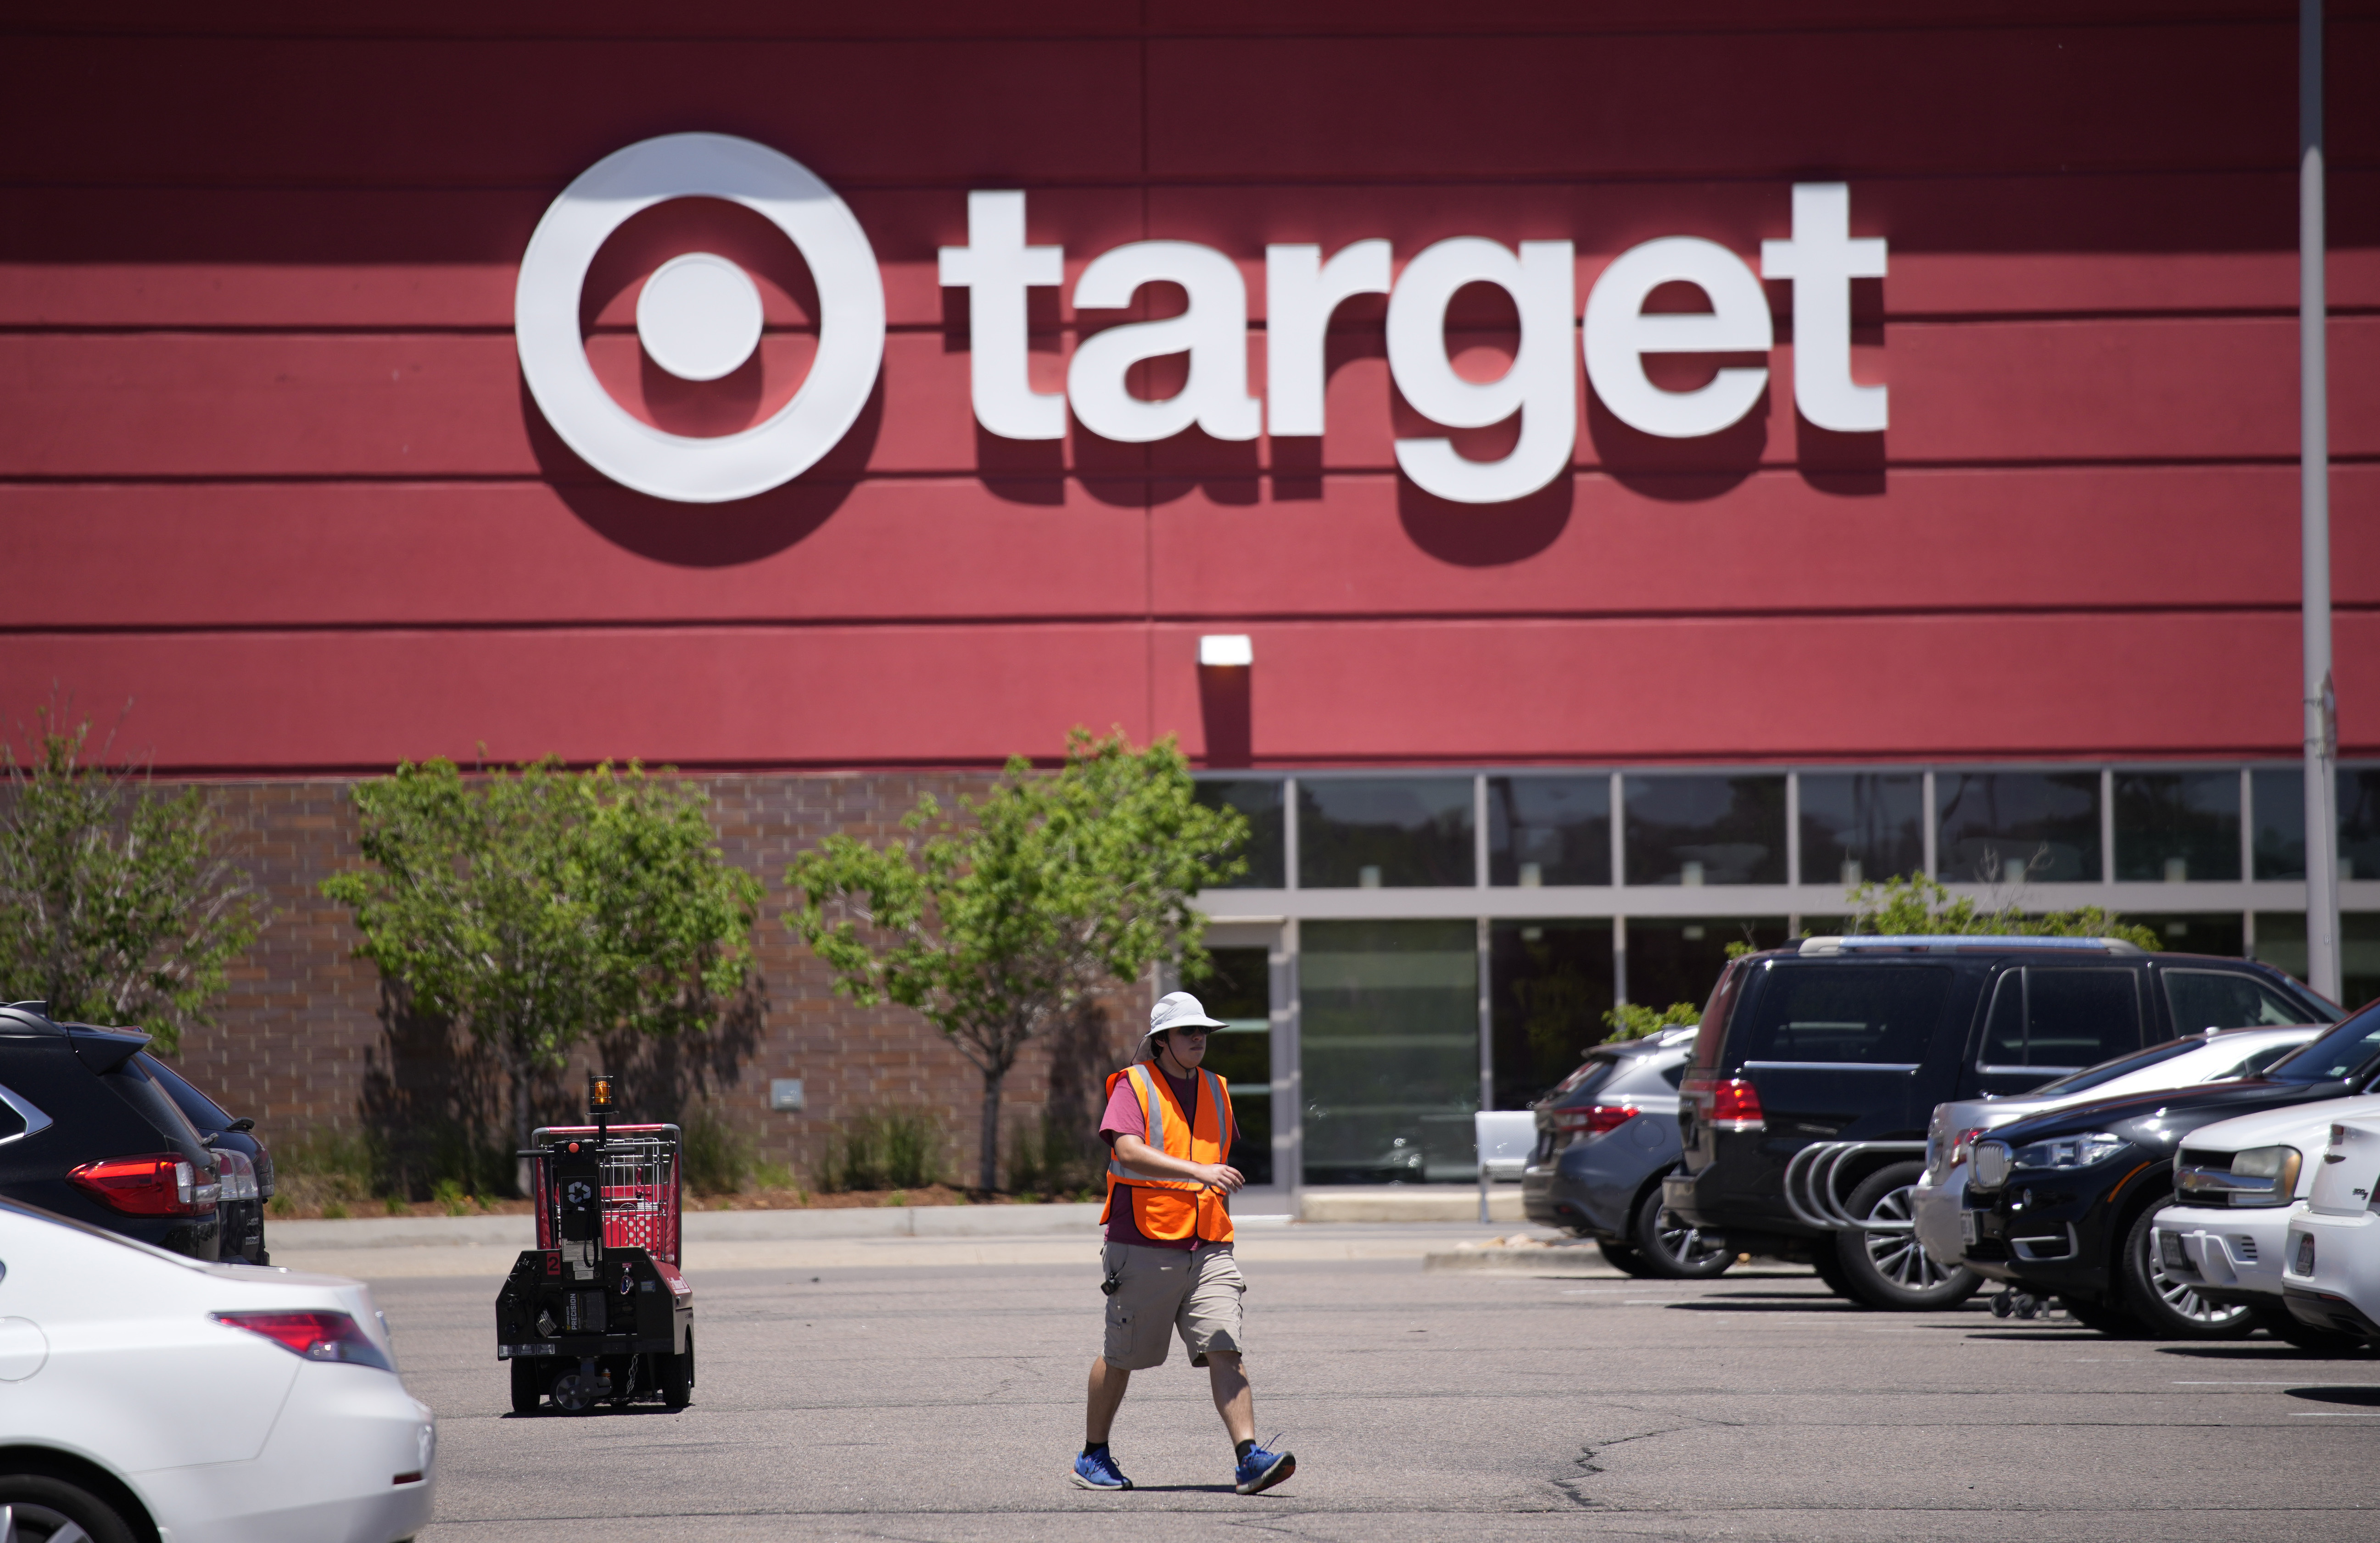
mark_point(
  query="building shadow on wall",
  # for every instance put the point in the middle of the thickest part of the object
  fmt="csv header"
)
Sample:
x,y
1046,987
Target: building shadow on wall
x,y
1485,535
705,535
661,1076
1677,470
1084,1048
436,1104
1849,466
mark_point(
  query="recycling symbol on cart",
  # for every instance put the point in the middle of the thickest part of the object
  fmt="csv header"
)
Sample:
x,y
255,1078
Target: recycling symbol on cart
x,y
577,1192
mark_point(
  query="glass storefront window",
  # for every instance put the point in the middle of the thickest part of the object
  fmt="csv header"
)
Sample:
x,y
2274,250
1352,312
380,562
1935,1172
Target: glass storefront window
x,y
1673,959
2222,932
2280,824
2281,940
1548,831
1862,827
1388,1013
2017,827
1383,833
2281,943
1239,992
1706,830
2359,822
2177,826
1259,801
1549,985
2359,958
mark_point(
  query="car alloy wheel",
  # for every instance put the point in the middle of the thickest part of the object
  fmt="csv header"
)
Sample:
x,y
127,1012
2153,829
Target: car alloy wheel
x,y
1673,1248
39,1523
2168,1305
1888,1268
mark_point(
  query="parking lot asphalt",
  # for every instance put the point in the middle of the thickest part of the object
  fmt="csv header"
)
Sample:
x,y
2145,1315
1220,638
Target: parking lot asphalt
x,y
928,1400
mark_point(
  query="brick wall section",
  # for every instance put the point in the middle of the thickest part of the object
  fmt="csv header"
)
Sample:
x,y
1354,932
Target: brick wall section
x,y
303,1030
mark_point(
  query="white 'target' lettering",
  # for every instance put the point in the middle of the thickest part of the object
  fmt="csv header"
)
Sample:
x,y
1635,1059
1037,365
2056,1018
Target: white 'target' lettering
x,y
1301,291
995,267
1541,385
1822,260
1214,332
1619,334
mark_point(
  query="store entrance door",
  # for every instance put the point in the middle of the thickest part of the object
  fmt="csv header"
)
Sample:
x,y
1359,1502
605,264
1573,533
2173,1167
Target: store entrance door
x,y
1249,991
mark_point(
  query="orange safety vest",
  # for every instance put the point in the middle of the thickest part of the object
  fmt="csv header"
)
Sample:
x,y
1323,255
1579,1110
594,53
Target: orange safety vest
x,y
1174,1209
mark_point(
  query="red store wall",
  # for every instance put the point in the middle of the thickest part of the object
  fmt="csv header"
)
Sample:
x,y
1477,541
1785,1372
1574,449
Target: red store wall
x,y
267,465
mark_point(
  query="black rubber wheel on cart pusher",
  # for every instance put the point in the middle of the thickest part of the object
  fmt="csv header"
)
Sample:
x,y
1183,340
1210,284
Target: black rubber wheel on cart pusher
x,y
1673,1249
1891,1270
529,1385
677,1376
1626,1260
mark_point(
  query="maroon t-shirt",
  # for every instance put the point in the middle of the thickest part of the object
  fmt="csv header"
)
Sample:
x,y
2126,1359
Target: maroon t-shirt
x,y
1123,1117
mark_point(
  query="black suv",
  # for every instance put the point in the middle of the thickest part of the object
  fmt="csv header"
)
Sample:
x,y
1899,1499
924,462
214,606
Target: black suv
x,y
86,1131
1848,1043
2062,1203
246,1166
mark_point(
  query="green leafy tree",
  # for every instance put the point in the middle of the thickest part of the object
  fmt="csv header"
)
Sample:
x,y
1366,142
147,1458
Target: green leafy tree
x,y
117,904
1913,904
1633,1020
993,927
543,907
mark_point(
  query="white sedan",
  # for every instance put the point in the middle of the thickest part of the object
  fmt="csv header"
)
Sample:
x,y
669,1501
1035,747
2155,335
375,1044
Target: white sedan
x,y
213,1402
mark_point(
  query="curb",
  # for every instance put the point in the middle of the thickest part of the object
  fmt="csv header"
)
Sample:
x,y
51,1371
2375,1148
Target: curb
x,y
1558,1258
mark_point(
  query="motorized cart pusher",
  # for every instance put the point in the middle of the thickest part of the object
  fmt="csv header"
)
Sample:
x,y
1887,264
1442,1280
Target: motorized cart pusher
x,y
598,1311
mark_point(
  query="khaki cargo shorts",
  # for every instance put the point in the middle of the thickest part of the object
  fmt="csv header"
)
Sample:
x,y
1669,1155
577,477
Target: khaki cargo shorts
x,y
1161,1290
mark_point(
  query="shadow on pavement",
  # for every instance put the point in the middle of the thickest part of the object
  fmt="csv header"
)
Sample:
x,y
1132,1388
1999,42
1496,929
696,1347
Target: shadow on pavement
x,y
2362,1398
2254,1350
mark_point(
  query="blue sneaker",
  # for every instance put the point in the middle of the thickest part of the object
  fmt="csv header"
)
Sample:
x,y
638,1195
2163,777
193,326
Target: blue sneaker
x,y
1097,1471
1261,1469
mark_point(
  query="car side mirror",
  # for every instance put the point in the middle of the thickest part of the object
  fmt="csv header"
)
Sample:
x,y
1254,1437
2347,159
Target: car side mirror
x,y
243,1125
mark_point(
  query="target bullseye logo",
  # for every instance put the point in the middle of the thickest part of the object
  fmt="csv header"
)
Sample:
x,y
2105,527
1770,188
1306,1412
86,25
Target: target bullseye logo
x,y
699,318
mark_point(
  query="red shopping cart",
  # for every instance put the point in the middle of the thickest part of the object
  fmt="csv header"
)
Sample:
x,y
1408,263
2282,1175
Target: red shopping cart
x,y
598,1312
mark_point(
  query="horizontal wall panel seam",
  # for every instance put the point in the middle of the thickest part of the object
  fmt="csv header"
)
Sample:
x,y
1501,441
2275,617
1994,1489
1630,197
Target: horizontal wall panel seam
x,y
1136,622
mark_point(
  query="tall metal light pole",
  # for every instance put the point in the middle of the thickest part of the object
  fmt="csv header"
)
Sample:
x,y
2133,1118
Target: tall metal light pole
x,y
2313,463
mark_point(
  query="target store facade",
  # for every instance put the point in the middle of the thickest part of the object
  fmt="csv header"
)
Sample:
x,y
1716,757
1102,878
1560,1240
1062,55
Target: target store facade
x,y
1587,486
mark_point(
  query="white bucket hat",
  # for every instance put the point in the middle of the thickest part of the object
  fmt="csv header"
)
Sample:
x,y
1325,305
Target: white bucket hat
x,y
1175,1010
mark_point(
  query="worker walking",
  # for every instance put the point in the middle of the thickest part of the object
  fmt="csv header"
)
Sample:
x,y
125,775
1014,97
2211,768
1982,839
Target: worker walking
x,y
1168,1256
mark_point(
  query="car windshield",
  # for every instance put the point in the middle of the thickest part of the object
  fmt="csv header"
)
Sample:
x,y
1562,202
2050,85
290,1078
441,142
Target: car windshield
x,y
202,1110
2108,1071
2344,1051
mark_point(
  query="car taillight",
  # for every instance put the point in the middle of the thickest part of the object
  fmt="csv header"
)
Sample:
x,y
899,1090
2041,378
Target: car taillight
x,y
1594,1120
318,1336
1735,1106
238,1176
162,1185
